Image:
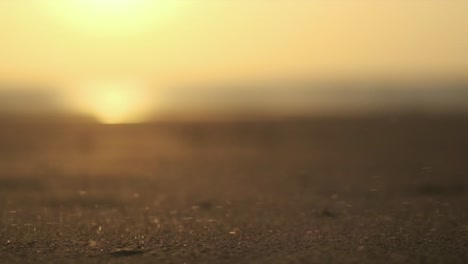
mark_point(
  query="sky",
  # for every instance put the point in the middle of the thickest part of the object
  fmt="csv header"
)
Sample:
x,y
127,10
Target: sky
x,y
122,50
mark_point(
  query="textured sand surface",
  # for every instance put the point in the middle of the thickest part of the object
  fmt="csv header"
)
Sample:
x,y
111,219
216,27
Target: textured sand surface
x,y
323,190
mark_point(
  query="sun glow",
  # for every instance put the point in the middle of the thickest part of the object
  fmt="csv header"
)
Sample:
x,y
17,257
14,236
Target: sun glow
x,y
113,103
110,17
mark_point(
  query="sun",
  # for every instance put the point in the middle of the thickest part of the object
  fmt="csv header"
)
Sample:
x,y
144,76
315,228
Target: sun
x,y
114,102
114,106
110,17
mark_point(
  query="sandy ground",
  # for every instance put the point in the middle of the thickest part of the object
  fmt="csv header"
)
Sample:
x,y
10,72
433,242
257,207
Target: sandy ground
x,y
321,190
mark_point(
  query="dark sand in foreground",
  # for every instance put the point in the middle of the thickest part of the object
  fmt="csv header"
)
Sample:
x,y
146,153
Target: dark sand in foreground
x,y
320,190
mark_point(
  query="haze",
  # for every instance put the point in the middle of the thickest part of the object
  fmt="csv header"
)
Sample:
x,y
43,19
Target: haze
x,y
170,47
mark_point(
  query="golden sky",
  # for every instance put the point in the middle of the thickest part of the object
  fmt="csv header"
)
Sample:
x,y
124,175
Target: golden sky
x,y
169,44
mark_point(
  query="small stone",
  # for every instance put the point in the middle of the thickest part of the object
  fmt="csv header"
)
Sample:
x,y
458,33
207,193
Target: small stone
x,y
126,252
92,243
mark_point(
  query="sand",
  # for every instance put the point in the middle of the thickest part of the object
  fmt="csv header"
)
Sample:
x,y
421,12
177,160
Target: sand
x,y
382,189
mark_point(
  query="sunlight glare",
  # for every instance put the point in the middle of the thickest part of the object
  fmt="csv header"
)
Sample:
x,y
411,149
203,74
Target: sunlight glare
x,y
115,102
109,17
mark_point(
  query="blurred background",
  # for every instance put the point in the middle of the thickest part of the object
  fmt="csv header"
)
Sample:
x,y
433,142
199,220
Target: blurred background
x,y
258,131
125,61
